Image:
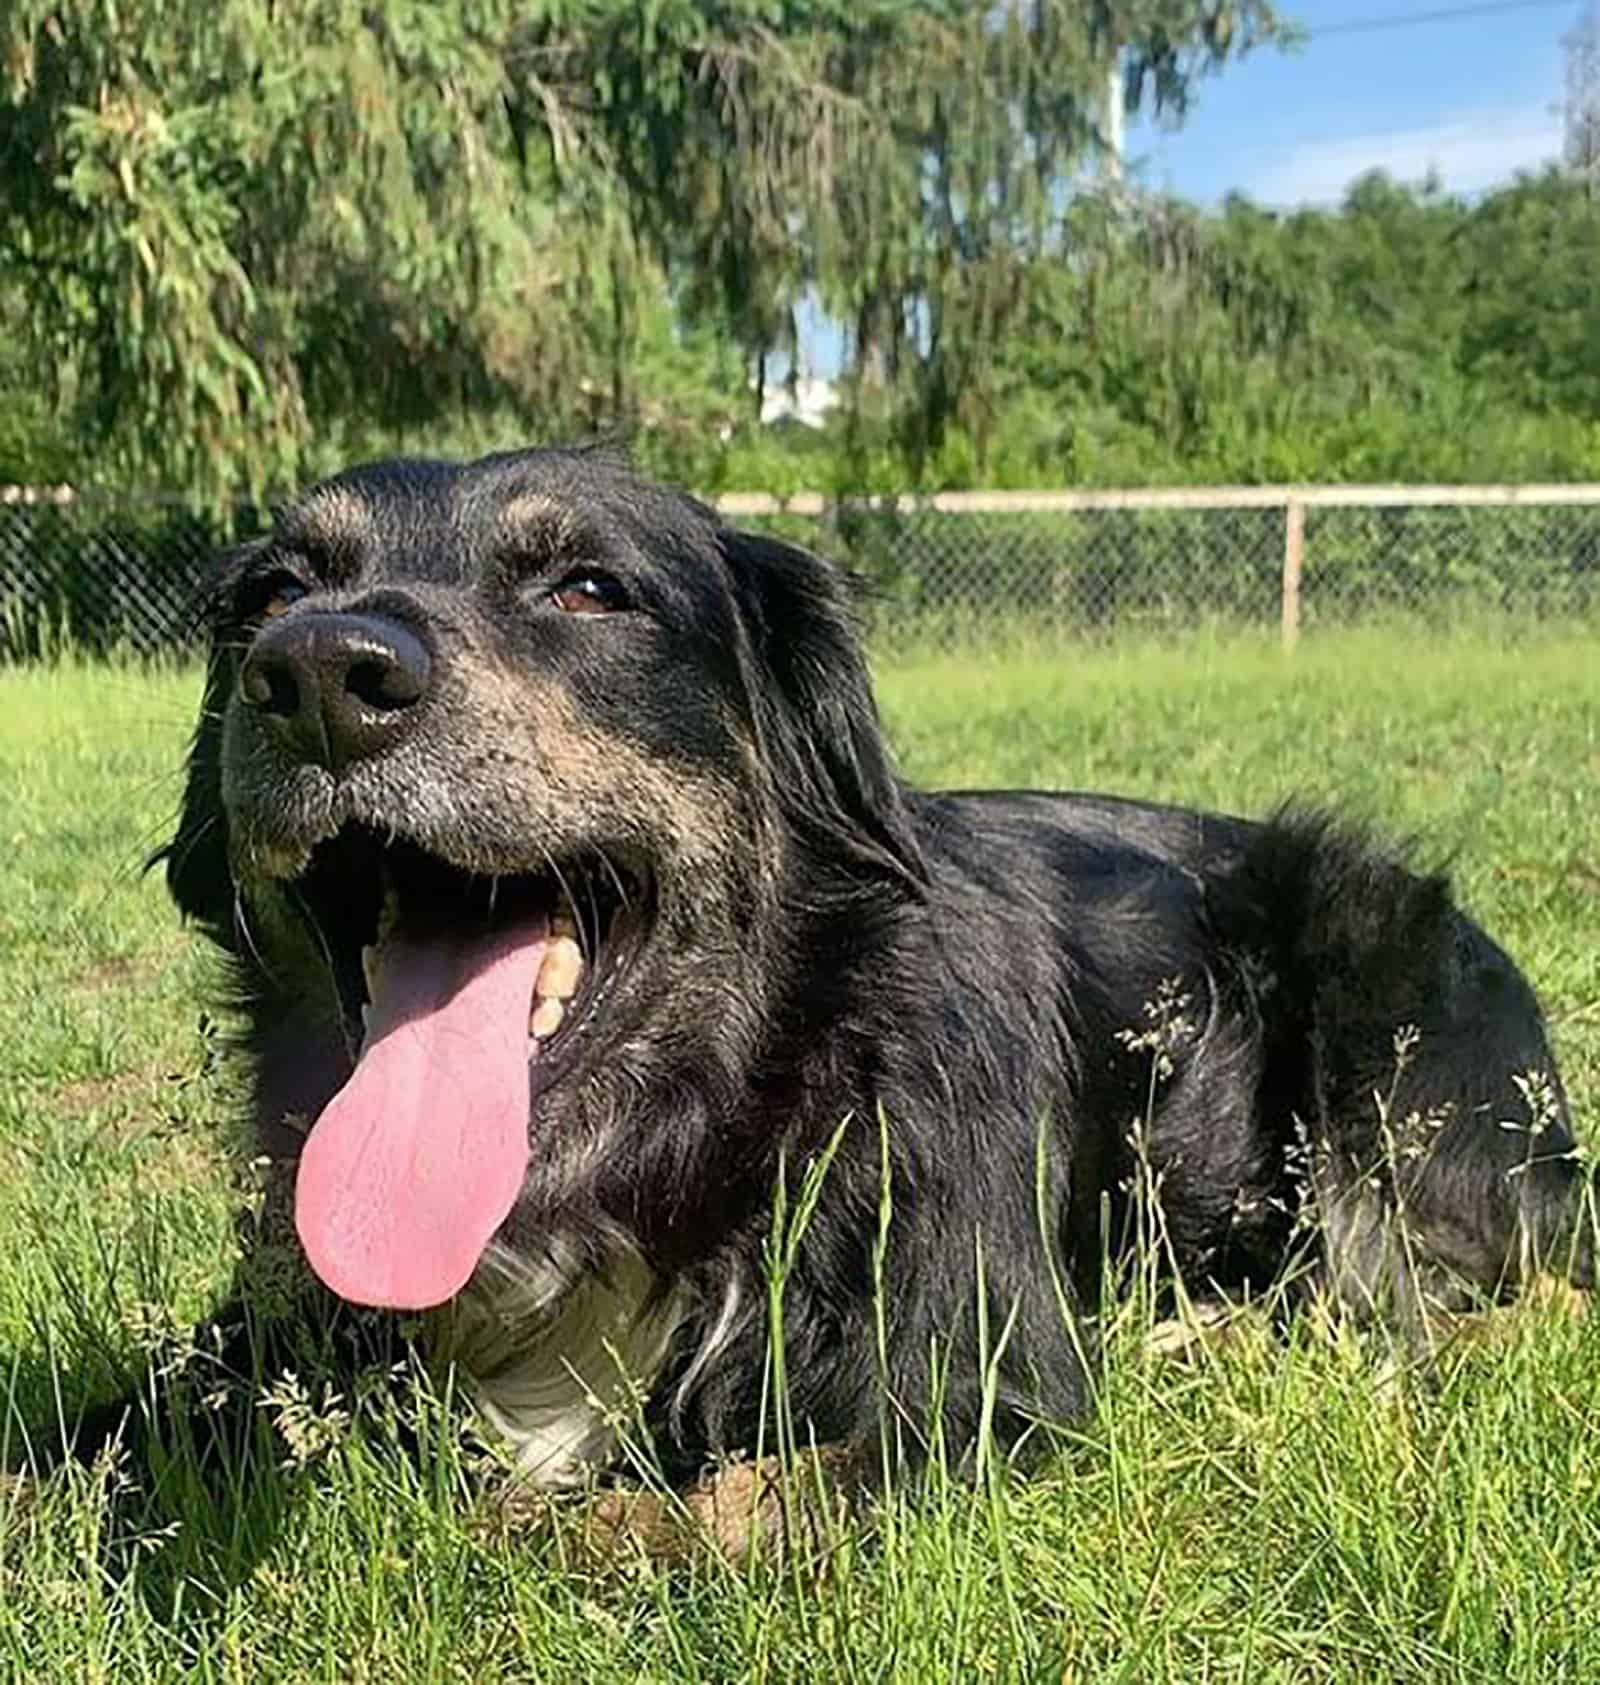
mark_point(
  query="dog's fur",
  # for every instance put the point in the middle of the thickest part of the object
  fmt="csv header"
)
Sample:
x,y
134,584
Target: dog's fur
x,y
1004,1013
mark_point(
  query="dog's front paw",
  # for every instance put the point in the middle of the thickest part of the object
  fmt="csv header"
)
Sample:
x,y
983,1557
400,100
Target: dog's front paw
x,y
741,1511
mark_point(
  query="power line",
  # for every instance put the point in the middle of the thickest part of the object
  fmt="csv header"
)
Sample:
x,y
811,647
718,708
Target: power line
x,y
1445,14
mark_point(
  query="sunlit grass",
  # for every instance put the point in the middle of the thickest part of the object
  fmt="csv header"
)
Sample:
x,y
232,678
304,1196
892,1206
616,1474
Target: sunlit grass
x,y
1267,1510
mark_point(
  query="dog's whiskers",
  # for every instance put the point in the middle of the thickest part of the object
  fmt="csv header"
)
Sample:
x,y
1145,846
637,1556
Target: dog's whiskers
x,y
617,880
241,923
314,925
185,843
565,888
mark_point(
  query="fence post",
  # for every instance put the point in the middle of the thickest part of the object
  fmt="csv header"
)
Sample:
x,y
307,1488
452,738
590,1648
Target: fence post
x,y
1294,543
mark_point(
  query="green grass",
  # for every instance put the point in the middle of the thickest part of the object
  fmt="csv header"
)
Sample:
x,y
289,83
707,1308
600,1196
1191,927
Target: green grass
x,y
1265,1511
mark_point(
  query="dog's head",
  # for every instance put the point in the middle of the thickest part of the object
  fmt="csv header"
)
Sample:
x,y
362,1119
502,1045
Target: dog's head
x,y
519,766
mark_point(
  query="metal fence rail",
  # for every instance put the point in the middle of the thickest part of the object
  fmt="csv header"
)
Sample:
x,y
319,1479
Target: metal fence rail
x,y
101,572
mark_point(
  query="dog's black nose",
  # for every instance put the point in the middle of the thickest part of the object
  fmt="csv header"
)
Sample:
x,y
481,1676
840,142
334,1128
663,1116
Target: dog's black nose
x,y
340,687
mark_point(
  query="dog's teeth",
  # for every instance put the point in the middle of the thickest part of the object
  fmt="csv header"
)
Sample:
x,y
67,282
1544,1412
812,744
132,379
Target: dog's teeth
x,y
546,1019
369,966
560,969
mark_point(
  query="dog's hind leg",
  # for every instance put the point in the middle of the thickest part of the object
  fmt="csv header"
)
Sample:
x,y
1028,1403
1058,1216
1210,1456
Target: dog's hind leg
x,y
1470,1187
1410,1050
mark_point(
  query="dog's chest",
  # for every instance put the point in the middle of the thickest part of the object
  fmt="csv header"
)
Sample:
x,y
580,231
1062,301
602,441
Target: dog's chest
x,y
558,1361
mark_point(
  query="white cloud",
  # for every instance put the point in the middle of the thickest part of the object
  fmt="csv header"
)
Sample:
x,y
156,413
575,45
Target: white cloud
x,y
809,403
1477,150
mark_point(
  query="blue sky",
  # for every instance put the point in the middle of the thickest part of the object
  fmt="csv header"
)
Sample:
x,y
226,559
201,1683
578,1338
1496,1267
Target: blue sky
x,y
1476,97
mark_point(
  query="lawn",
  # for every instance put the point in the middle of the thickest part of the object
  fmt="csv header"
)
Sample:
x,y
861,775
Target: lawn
x,y
1298,1509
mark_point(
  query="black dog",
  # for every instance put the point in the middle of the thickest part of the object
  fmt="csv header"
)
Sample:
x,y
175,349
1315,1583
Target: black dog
x,y
570,891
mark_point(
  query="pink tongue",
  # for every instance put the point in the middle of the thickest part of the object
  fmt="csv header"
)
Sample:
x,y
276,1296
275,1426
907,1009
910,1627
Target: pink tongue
x,y
416,1162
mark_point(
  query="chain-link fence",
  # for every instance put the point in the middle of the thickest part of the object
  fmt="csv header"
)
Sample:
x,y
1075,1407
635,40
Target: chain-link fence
x,y
974,565
99,573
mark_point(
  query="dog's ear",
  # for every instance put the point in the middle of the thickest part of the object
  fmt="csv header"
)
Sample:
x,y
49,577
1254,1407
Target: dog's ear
x,y
813,707
196,859
198,873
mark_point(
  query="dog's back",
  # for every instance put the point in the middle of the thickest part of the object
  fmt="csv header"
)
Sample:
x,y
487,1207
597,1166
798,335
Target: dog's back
x,y
1335,1046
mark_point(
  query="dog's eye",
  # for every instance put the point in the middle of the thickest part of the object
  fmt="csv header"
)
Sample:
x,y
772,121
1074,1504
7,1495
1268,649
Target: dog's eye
x,y
590,592
273,594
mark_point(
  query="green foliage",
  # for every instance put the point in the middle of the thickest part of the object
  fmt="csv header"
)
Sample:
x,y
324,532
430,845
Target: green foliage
x,y
248,237
241,241
245,235
1406,335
